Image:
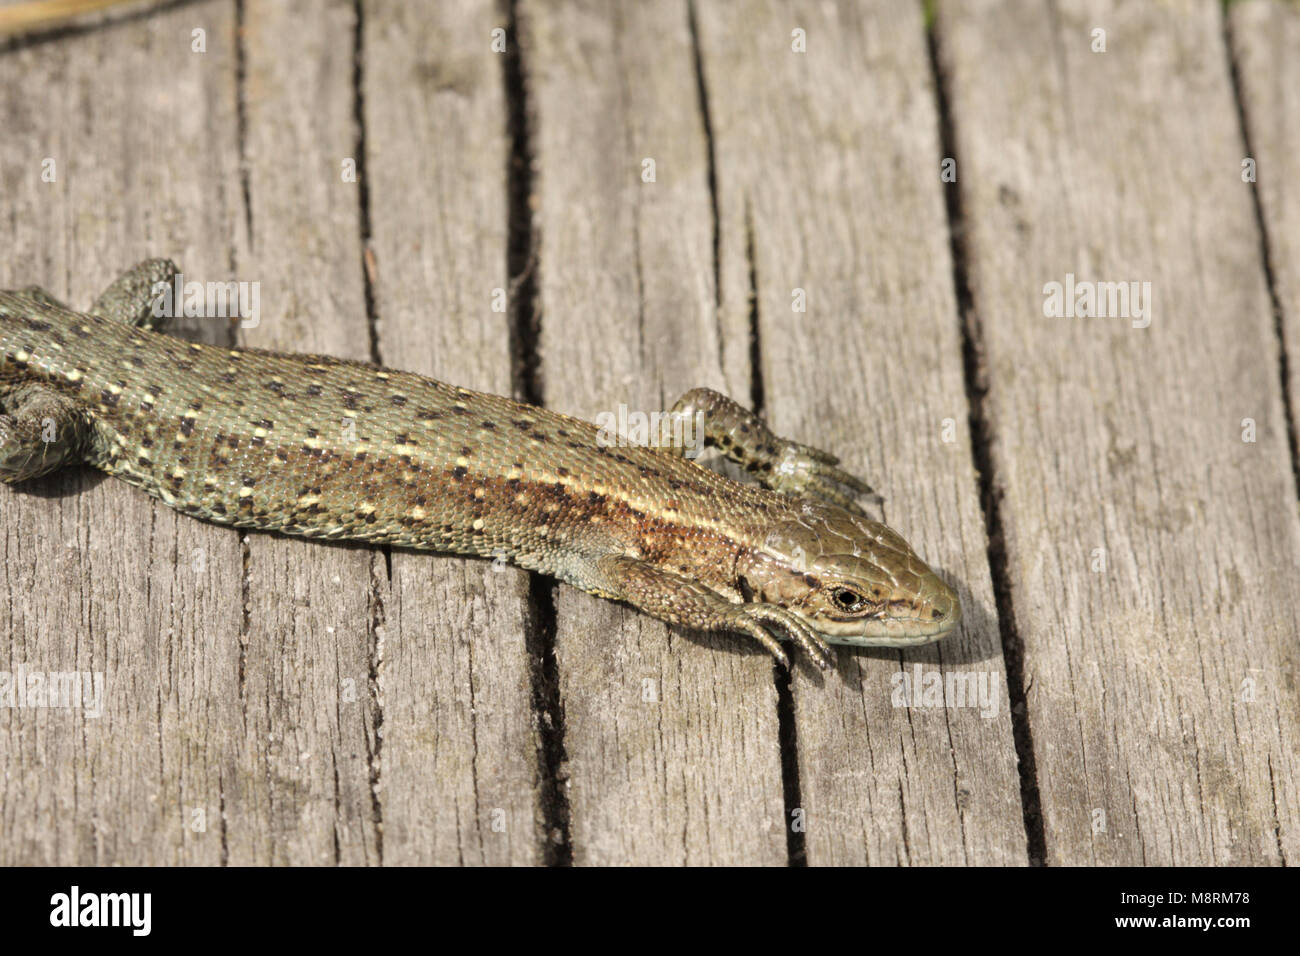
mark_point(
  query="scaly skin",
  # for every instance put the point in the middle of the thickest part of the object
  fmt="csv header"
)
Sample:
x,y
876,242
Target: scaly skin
x,y
320,447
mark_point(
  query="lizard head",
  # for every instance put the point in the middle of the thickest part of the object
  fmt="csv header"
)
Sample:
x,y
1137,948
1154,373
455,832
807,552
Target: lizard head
x,y
853,580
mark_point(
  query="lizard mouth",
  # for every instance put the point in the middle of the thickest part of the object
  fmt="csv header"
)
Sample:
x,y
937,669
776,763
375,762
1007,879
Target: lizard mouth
x,y
897,632
937,614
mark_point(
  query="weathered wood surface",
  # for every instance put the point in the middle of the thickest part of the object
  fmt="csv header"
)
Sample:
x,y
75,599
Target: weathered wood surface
x,y
1265,38
310,611
459,763
1161,690
323,704
848,209
672,739
97,577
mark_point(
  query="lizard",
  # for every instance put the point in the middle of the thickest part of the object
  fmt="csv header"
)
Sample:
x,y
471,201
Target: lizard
x,y
322,447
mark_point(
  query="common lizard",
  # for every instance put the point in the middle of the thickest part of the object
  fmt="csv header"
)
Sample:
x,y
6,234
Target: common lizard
x,y
326,448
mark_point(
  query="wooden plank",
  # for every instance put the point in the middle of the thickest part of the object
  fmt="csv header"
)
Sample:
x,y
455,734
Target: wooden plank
x,y
308,740
1265,38
1160,687
671,737
828,182
96,576
459,760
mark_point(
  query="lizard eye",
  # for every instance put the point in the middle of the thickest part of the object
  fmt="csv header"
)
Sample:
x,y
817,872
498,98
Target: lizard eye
x,y
846,599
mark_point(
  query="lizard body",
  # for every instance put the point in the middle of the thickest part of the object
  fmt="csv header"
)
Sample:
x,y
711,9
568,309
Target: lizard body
x,y
322,447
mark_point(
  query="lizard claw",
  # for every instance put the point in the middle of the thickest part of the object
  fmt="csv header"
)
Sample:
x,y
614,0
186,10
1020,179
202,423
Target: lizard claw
x,y
758,632
753,618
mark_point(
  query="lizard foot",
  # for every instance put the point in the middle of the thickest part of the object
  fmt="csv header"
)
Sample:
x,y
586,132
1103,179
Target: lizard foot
x,y
807,471
754,620
778,463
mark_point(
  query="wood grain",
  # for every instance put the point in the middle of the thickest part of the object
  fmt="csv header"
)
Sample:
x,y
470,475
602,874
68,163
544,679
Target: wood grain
x,y
671,737
1161,686
309,732
459,762
849,209
1265,39
96,576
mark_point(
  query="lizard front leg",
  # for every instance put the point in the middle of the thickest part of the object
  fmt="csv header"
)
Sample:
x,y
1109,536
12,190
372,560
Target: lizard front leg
x,y
40,430
679,600
777,463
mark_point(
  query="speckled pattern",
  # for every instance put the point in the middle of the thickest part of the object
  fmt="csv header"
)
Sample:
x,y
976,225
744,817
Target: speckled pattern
x,y
321,447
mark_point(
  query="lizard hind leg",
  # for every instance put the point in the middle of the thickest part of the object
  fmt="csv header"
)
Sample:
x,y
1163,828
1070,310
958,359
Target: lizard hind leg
x,y
40,430
41,297
137,296
776,463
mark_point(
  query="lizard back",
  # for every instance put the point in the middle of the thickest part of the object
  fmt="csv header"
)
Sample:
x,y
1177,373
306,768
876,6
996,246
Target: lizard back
x,y
323,447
